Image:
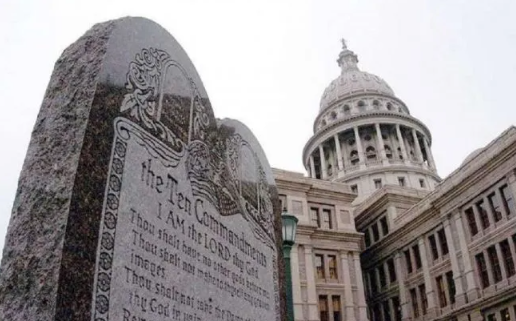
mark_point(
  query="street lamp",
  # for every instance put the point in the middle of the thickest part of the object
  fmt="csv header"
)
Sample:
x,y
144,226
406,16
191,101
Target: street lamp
x,y
289,225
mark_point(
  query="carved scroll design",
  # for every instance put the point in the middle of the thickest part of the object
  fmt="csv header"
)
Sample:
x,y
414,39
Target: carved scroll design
x,y
144,100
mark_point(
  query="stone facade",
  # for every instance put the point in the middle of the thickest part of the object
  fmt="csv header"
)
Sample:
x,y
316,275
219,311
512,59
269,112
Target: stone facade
x,y
429,249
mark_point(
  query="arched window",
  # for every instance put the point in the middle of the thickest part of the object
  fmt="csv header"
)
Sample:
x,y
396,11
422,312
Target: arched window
x,y
376,104
346,109
333,115
353,157
361,105
389,106
323,123
388,151
370,152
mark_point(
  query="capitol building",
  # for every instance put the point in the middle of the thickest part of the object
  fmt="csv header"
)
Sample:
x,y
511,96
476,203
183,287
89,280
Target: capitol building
x,y
381,236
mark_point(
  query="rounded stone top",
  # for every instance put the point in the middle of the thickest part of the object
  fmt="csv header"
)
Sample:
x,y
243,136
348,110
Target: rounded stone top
x,y
352,81
471,155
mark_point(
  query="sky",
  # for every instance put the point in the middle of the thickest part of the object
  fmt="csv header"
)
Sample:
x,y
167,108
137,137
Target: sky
x,y
267,63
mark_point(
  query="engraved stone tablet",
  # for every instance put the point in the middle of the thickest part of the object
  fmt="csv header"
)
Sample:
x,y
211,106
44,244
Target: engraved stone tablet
x,y
134,202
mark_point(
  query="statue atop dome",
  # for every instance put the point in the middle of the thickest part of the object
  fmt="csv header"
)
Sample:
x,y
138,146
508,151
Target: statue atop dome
x,y
344,44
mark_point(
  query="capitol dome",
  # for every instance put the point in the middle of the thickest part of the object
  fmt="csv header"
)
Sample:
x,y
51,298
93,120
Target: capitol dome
x,y
365,136
352,81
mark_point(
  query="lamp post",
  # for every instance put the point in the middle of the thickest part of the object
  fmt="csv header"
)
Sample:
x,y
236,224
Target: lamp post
x,y
289,225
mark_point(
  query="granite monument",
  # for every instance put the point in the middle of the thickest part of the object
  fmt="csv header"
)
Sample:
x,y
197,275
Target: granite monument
x,y
135,202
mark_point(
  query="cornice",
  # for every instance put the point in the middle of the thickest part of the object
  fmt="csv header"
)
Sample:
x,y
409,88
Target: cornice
x,y
313,187
388,193
386,168
315,233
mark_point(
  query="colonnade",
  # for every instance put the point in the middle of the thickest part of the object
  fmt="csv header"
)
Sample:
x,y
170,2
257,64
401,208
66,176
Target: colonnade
x,y
338,161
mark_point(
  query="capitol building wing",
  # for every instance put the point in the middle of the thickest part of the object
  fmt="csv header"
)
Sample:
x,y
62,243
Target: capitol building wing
x,y
381,236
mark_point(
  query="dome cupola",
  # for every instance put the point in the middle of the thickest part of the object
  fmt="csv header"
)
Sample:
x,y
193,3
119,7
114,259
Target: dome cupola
x,y
365,136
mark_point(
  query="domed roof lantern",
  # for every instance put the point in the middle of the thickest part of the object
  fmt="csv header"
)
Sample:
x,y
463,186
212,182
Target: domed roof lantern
x,y
347,59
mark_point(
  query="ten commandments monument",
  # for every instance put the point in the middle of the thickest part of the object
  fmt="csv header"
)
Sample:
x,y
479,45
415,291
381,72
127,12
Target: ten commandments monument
x,y
134,202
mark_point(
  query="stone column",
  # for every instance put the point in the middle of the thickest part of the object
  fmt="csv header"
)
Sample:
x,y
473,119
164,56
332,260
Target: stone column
x,y
402,143
471,286
500,198
312,167
478,220
429,154
313,309
345,156
339,153
428,280
296,284
361,304
460,298
324,169
360,150
381,147
400,276
511,180
332,162
501,261
490,271
348,292
419,154
490,214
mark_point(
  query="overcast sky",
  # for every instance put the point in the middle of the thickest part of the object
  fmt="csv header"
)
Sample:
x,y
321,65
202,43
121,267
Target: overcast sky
x,y
267,63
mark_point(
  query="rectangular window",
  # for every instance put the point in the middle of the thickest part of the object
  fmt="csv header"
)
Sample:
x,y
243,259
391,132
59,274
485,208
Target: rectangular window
x,y
494,204
472,224
392,270
507,199
507,258
332,265
315,216
441,291
433,247
377,312
442,242
385,227
326,216
381,275
491,317
323,308
417,257
495,264
505,315
367,238
354,189
451,286
319,266
424,300
337,315
401,181
376,234
397,308
386,311
408,262
378,183
482,269
484,217
422,183
415,308
372,278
